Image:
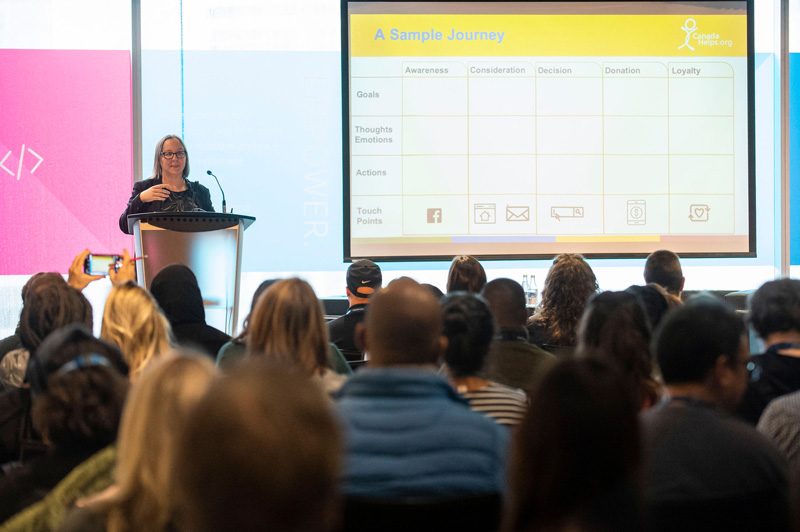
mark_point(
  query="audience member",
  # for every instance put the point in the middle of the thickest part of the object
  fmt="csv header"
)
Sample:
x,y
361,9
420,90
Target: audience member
x,y
575,462
288,330
775,316
437,293
176,290
261,451
569,284
143,495
14,342
663,267
655,300
706,469
512,360
133,321
80,389
615,328
49,305
407,432
466,275
780,422
363,279
232,352
469,328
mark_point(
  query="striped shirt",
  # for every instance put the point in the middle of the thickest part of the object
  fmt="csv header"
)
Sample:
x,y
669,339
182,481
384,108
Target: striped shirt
x,y
780,422
505,405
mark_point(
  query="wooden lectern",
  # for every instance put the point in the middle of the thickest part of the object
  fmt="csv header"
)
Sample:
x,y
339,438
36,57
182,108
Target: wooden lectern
x,y
209,243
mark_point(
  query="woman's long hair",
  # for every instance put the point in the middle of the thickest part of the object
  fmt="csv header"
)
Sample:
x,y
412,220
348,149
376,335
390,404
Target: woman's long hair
x,y
134,322
242,338
154,415
569,284
615,328
466,275
575,459
287,327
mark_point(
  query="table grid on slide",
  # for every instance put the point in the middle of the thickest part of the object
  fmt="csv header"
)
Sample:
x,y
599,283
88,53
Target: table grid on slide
x,y
527,146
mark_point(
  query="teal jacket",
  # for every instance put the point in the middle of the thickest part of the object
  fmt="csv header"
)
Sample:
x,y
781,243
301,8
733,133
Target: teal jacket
x,y
409,434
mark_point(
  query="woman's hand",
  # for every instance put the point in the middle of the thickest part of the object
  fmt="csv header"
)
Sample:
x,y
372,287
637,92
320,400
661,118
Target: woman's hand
x,y
78,279
126,271
156,193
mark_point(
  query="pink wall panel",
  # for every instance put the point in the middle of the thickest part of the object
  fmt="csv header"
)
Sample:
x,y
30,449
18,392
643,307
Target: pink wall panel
x,y
71,112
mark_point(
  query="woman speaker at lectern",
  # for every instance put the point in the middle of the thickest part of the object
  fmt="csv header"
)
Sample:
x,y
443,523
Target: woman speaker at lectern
x,y
168,189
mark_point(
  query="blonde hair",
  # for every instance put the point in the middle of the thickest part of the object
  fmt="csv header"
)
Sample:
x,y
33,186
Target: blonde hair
x,y
287,327
134,322
157,408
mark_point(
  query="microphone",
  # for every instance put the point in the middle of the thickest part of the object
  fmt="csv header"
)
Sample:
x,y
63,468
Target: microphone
x,y
220,189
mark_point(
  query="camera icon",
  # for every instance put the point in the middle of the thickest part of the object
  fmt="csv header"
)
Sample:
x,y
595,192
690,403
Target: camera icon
x,y
637,212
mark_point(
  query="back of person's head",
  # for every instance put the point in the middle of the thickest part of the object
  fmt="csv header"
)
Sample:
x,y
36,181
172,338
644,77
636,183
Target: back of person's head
x,y
569,284
775,307
576,456
41,277
691,338
156,410
261,451
364,278
133,321
507,301
177,293
79,384
246,323
615,328
663,267
403,325
653,298
288,329
433,289
50,304
466,275
469,328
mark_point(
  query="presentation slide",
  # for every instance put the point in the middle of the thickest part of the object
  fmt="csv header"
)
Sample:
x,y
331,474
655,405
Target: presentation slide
x,y
529,129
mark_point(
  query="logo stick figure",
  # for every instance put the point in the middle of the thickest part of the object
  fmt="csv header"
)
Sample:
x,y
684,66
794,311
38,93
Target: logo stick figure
x,y
690,26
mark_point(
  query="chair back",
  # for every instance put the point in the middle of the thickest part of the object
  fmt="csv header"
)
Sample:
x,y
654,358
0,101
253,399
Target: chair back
x,y
766,511
477,513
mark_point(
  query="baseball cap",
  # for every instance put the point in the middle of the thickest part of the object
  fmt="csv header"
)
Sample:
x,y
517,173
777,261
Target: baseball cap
x,y
363,278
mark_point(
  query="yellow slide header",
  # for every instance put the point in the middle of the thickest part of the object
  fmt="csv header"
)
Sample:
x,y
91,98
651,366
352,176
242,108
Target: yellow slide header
x,y
548,35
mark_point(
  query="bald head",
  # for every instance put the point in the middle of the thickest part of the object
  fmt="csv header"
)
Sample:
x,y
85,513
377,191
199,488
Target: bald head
x,y
403,325
507,301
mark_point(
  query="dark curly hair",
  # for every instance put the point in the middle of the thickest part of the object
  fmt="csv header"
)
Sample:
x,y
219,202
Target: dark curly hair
x,y
466,275
775,307
80,407
469,328
569,284
49,305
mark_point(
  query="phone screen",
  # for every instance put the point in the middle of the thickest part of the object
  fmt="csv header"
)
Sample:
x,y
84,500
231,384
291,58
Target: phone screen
x,y
99,264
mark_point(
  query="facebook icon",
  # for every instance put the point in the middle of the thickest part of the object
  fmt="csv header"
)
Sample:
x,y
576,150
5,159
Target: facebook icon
x,y
434,216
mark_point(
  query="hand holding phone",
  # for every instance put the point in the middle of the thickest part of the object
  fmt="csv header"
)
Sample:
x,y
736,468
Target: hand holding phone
x,y
123,271
78,277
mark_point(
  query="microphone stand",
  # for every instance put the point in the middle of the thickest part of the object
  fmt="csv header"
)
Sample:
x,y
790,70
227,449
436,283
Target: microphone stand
x,y
220,189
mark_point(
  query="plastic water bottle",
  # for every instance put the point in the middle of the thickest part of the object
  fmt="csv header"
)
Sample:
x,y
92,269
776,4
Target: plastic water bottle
x,y
532,292
525,285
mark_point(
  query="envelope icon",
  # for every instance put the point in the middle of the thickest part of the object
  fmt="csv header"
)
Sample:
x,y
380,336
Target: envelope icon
x,y
518,214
